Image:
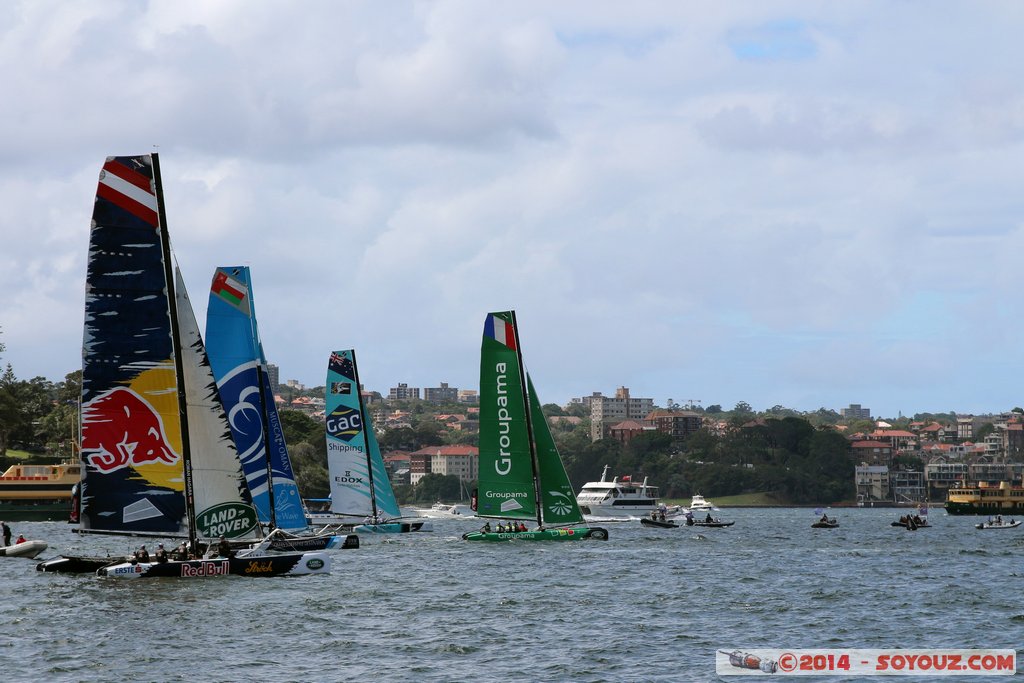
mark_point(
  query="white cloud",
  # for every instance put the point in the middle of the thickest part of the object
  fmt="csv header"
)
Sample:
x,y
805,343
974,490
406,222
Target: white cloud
x,y
733,203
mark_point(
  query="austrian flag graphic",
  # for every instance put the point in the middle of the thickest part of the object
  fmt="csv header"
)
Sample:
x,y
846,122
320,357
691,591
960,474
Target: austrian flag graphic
x,y
500,331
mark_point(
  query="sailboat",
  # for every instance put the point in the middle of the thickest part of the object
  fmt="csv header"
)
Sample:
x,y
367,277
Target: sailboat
x,y
240,367
360,488
156,446
521,476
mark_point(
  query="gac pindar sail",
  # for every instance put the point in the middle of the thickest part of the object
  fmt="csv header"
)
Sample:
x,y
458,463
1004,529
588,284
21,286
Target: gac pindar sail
x,y
236,355
359,480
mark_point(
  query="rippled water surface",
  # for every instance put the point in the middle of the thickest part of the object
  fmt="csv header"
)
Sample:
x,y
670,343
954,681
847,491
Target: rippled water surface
x,y
647,605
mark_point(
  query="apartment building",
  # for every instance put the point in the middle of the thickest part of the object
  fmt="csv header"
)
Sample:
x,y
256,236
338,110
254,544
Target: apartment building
x,y
606,411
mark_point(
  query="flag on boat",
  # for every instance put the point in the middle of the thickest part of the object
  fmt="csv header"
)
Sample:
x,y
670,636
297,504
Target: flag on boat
x,y
500,331
230,290
125,183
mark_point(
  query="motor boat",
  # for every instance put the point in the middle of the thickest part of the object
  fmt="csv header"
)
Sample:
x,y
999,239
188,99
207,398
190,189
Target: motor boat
x,y
621,497
698,504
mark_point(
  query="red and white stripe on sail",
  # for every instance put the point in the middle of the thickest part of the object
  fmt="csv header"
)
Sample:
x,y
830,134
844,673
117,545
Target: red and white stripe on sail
x,y
128,189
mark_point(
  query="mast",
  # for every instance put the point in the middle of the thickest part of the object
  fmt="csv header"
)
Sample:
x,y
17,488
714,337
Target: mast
x,y
529,424
366,437
263,421
179,370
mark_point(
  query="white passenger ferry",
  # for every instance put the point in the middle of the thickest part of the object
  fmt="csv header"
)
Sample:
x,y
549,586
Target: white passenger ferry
x,y
620,497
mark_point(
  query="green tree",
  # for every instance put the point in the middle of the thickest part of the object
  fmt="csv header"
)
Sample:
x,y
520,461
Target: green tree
x,y
437,487
299,427
310,469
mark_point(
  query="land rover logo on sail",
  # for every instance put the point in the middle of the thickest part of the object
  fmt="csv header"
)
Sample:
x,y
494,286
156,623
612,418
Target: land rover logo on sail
x,y
314,564
231,520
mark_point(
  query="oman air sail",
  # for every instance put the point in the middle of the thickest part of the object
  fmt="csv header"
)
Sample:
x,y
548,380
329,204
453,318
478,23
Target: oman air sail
x,y
521,476
236,355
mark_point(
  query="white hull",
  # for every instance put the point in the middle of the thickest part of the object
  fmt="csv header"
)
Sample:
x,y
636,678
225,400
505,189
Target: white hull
x,y
456,511
630,511
27,549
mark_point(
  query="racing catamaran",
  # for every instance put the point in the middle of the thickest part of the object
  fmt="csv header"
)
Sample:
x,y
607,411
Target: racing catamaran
x,y
240,367
157,454
521,476
361,492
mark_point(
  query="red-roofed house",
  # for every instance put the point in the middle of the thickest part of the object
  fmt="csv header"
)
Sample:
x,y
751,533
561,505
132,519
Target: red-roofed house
x,y
871,452
624,431
459,460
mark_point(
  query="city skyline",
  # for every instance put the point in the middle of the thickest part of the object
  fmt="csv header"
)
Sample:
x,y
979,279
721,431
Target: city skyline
x,y
775,203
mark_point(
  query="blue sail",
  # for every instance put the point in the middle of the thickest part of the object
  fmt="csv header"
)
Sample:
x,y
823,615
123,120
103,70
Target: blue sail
x,y
240,368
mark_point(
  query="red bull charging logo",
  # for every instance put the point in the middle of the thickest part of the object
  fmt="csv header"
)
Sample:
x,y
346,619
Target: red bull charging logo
x,y
120,429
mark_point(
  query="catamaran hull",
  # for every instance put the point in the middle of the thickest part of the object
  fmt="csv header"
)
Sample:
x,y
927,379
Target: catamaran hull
x,y
300,544
77,564
24,549
264,565
574,534
393,528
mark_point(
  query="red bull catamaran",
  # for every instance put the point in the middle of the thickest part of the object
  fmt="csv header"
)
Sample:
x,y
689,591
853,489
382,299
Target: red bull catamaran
x,y
521,475
157,450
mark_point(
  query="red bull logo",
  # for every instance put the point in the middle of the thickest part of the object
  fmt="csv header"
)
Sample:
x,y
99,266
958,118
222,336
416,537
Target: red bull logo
x,y
120,429
206,568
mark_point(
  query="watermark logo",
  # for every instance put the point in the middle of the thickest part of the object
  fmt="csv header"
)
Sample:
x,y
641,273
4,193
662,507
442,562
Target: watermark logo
x,y
875,662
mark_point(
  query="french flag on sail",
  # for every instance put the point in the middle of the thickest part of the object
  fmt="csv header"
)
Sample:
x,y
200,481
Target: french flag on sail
x,y
500,331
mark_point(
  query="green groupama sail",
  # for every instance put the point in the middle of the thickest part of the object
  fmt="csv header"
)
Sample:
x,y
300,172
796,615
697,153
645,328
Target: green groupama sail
x,y
521,474
506,486
558,502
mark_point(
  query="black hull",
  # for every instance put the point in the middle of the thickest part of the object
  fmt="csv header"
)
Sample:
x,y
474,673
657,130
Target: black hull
x,y
77,564
825,525
714,525
265,565
657,523
306,543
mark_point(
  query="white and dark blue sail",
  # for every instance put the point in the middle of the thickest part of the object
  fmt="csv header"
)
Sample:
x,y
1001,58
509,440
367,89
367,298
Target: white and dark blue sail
x,y
359,480
155,447
236,354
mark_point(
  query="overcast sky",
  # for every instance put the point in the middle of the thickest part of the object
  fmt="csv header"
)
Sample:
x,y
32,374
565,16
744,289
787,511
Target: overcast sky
x,y
784,203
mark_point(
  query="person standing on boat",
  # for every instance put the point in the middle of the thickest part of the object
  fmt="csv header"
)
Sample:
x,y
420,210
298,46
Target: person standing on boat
x,y
7,533
224,548
487,528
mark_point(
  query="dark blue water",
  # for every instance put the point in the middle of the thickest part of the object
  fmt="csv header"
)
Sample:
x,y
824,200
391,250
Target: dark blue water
x,y
648,605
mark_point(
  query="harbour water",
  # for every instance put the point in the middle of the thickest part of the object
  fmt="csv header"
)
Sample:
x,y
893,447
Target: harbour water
x,y
647,605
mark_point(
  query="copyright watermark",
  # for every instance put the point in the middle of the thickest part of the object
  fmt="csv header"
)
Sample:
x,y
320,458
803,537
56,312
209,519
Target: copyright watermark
x,y
895,662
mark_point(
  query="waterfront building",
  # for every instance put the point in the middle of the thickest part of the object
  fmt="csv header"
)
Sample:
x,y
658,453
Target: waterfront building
x,y
869,452
872,483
